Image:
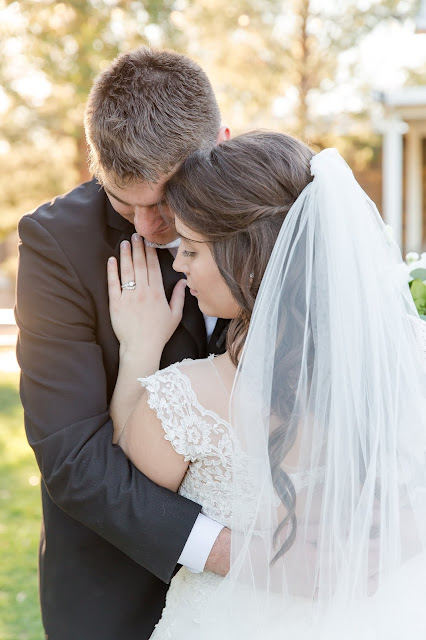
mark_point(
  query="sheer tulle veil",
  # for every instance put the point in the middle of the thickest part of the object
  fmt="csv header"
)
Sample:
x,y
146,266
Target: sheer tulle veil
x,y
329,413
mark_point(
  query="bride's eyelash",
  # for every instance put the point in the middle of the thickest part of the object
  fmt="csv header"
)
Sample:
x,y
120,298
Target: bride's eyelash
x,y
188,254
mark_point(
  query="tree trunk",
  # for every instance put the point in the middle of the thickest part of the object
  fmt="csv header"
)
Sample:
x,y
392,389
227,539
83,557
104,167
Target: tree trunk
x,y
304,83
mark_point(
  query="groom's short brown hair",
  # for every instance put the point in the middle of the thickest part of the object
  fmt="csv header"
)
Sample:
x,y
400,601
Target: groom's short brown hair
x,y
146,113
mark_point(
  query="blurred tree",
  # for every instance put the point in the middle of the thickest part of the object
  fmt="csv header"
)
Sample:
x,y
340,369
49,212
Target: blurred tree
x,y
50,53
272,63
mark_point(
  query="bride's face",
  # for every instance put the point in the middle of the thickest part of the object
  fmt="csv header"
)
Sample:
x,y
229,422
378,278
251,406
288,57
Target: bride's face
x,y
195,259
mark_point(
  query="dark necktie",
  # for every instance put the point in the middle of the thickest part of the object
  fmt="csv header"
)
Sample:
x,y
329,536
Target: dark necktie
x,y
193,319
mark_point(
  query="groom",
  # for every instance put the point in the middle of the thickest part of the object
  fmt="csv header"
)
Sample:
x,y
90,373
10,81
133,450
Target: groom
x,y
111,539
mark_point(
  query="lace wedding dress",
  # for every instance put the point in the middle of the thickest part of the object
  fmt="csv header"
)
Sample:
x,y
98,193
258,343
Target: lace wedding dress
x,y
192,404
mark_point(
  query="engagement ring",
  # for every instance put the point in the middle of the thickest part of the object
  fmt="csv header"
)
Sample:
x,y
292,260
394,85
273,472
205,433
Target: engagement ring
x,y
129,285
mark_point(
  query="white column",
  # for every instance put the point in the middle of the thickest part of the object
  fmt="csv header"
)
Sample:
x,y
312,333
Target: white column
x,y
414,170
393,129
421,18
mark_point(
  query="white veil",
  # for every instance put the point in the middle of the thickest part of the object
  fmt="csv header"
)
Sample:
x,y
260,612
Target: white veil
x,y
329,412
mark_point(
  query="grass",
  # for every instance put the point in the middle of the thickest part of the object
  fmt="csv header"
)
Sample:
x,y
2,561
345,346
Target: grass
x,y
19,521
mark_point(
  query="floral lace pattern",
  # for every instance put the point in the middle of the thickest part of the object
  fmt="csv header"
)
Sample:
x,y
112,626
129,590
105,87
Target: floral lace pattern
x,y
186,599
206,441
200,435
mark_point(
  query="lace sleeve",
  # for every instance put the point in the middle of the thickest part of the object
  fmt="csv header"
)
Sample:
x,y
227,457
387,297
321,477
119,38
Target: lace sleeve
x,y
171,396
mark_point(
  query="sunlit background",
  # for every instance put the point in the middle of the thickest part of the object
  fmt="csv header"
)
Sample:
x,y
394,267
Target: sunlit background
x,y
343,73
323,70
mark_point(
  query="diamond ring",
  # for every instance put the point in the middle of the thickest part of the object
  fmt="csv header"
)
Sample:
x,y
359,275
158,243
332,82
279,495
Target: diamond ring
x,y
130,286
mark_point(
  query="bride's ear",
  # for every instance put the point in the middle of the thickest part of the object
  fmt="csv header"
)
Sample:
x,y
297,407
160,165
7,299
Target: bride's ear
x,y
223,134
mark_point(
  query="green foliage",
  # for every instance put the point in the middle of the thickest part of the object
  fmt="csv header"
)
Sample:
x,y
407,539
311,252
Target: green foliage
x,y
50,53
418,291
19,522
256,53
32,175
419,274
273,50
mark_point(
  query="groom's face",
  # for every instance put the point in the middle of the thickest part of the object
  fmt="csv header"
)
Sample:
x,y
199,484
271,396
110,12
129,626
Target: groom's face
x,y
139,203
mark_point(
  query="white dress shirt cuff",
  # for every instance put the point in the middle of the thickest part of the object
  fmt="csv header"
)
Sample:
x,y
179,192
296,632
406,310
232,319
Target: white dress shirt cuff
x,y
199,544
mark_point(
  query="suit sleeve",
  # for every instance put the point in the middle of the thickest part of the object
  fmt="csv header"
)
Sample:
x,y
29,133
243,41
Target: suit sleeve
x,y
64,394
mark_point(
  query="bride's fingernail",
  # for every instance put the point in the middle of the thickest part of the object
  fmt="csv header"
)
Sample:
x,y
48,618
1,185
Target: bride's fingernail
x,y
136,237
125,244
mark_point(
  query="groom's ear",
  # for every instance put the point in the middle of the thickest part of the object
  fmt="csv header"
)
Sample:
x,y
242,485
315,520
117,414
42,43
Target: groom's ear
x,y
223,134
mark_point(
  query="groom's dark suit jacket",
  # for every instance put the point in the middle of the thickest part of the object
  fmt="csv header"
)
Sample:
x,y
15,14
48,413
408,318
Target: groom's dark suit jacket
x,y
111,538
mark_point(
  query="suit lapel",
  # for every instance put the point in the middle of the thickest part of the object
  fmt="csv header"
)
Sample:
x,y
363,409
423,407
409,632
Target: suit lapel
x,y
118,228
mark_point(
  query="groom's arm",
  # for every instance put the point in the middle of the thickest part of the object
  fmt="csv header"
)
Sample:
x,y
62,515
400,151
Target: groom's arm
x,y
64,393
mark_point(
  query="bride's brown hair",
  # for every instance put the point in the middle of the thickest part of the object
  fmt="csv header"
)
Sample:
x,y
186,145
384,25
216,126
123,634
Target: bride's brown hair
x,y
237,195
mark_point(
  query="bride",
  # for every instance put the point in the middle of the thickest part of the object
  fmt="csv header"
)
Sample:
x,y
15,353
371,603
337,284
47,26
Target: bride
x,y
307,438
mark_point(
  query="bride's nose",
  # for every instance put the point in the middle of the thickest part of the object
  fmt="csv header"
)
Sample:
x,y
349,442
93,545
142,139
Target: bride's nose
x,y
178,263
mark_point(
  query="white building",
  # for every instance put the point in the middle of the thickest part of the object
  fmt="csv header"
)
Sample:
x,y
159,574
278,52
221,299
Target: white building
x,y
404,164
405,116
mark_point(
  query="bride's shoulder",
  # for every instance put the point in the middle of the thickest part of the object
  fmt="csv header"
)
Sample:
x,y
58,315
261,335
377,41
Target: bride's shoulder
x,y
195,369
201,383
188,368
190,373
210,373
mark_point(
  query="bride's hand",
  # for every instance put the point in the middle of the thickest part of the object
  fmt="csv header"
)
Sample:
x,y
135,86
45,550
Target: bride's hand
x,y
142,317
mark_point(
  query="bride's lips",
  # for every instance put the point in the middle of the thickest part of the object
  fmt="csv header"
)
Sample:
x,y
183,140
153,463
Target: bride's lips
x,y
193,292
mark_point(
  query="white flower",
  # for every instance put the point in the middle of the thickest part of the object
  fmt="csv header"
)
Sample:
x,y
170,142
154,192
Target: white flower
x,y
193,434
412,256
